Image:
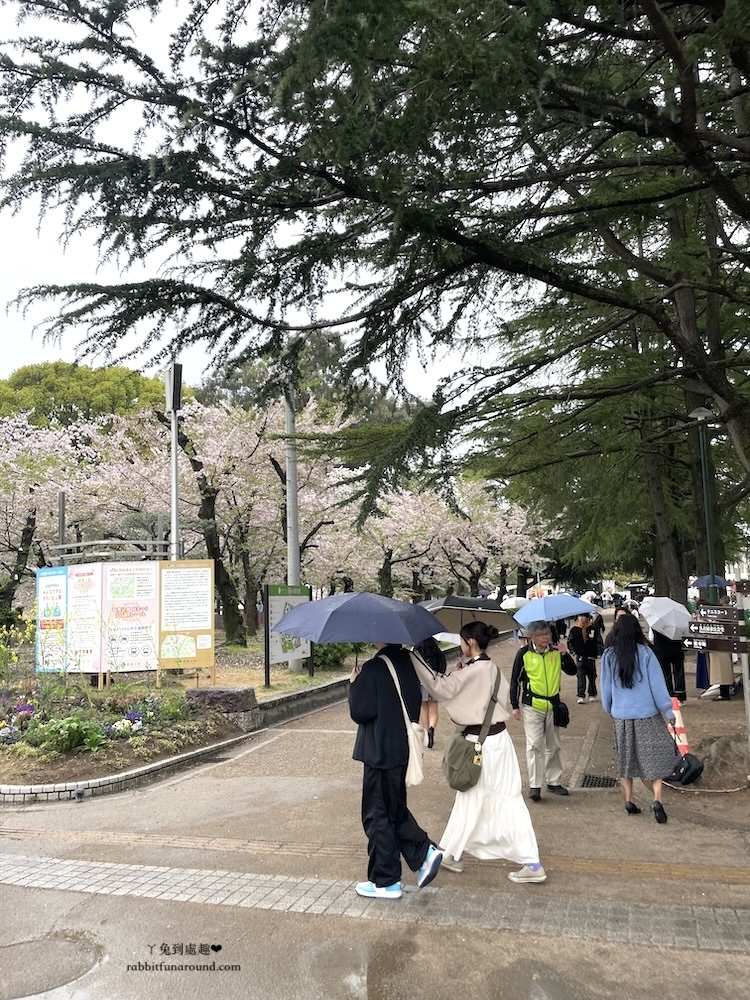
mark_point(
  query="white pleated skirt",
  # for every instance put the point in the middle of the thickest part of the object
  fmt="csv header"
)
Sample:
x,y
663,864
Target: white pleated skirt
x,y
491,820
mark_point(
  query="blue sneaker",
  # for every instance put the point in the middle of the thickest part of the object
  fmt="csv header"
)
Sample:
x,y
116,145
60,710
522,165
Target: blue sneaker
x,y
430,866
379,891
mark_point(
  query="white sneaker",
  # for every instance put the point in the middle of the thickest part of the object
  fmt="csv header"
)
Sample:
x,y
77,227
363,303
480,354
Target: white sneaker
x,y
527,874
379,891
593,698
580,701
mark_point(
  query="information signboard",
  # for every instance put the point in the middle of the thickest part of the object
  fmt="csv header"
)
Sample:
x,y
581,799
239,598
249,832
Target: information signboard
x,y
281,598
186,633
735,645
52,605
720,612
130,616
84,619
124,617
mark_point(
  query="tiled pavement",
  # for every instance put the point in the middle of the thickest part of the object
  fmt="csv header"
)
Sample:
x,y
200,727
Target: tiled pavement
x,y
706,929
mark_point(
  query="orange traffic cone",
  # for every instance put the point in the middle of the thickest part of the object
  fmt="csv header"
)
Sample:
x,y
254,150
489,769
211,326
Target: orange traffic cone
x,y
677,729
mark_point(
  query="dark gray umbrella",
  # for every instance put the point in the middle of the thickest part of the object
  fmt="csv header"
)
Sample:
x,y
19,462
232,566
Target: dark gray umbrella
x,y
455,612
359,617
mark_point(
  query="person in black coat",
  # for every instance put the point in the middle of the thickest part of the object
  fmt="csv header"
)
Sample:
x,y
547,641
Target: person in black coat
x,y
582,644
671,657
382,746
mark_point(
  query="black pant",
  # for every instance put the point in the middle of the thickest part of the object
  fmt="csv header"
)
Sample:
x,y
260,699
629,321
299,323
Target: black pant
x,y
390,828
673,668
586,671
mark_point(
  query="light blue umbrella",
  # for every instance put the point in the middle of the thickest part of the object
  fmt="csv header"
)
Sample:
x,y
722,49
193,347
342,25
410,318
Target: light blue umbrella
x,y
359,617
552,608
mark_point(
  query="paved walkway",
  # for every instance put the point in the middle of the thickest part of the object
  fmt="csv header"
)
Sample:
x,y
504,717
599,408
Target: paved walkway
x,y
696,928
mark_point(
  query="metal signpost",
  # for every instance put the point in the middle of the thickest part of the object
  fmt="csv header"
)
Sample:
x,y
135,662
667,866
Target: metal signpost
x,y
743,608
722,629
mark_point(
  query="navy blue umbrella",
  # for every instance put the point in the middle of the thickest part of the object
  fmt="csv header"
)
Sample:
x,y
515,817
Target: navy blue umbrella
x,y
359,617
705,581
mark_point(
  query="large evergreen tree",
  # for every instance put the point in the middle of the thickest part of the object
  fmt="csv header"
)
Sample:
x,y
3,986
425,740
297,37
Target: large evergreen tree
x,y
410,171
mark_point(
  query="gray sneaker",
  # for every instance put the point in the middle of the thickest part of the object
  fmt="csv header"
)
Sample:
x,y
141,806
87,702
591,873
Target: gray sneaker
x,y
527,874
452,864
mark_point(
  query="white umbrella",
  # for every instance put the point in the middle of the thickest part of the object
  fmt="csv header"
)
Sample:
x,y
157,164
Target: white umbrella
x,y
513,603
666,616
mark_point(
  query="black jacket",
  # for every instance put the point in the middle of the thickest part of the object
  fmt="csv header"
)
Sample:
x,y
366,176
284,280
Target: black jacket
x,y
374,705
580,647
668,650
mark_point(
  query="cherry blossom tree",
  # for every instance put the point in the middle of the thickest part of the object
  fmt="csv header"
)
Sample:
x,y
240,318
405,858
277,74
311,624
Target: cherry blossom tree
x,y
488,536
36,464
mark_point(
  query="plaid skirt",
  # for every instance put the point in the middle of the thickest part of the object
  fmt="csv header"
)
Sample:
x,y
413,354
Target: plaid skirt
x,y
644,748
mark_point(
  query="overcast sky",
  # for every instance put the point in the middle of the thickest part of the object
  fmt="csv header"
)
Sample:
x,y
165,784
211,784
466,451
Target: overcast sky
x,y
34,255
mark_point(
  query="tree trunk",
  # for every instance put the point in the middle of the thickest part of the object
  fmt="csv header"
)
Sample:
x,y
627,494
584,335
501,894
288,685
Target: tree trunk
x,y
385,575
475,577
522,573
668,577
19,567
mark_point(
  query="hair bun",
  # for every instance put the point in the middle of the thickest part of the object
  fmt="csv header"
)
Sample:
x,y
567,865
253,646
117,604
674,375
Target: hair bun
x,y
493,632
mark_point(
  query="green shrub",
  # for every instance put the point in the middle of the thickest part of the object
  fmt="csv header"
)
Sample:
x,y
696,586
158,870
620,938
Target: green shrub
x,y
332,655
69,733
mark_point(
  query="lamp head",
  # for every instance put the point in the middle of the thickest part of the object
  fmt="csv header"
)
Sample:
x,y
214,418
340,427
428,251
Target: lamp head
x,y
700,413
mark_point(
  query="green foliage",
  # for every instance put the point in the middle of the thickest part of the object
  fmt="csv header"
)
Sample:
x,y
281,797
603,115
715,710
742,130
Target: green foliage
x,y
58,393
546,185
69,733
332,655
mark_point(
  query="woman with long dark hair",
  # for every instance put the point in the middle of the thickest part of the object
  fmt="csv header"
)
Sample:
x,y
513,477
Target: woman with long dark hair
x,y
635,694
491,819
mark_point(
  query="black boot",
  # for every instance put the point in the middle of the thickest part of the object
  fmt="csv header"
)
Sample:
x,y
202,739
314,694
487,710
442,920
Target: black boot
x,y
430,737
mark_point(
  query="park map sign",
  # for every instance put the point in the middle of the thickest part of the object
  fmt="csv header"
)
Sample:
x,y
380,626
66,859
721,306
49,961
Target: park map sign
x,y
122,617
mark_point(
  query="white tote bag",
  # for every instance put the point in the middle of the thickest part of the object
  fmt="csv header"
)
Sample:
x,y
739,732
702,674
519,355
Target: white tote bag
x,y
415,735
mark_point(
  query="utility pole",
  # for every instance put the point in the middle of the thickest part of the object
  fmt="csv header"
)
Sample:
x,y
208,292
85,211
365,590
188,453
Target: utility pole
x,y
292,505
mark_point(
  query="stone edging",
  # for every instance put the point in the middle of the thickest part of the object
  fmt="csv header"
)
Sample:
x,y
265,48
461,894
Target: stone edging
x,y
19,794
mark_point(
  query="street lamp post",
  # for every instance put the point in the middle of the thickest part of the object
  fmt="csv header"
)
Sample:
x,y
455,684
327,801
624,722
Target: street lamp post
x,y
701,414
173,390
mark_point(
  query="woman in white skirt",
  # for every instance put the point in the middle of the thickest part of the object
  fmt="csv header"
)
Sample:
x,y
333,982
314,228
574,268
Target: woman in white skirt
x,y
491,819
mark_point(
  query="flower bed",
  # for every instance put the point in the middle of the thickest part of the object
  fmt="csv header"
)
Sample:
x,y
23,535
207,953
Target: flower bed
x,y
57,727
